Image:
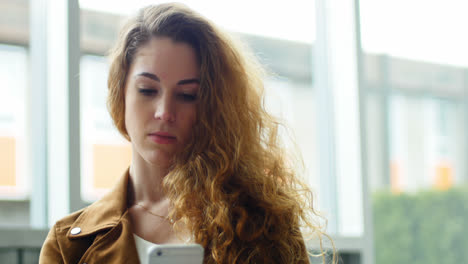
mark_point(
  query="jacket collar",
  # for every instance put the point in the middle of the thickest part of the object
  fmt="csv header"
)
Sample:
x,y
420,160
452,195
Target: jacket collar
x,y
104,213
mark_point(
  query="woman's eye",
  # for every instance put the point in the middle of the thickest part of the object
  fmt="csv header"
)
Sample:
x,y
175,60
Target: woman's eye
x,y
188,97
147,92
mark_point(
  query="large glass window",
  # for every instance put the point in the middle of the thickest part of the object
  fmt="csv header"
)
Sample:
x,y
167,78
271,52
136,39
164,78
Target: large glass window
x,y
15,181
415,71
104,153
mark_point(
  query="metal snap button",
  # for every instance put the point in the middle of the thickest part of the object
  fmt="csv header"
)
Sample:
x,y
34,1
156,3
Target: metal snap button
x,y
75,231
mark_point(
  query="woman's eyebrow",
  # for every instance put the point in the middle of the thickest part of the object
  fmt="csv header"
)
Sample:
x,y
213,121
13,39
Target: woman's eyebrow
x,y
156,78
149,75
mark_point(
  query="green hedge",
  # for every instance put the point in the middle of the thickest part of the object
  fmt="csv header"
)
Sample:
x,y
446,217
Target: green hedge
x,y
429,227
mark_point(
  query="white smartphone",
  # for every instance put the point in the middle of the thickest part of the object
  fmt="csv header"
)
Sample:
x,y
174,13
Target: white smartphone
x,y
175,254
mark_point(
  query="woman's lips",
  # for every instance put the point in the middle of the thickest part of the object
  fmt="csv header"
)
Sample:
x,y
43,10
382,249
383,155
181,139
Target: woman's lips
x,y
162,138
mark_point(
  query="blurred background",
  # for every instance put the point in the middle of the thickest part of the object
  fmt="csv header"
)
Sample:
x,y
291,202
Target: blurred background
x,y
374,91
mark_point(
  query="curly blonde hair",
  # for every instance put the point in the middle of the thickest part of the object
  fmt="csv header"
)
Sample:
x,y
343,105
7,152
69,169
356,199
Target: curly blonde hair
x,y
233,186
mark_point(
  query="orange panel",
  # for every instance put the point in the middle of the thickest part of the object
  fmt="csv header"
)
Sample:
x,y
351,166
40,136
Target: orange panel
x,y
110,162
444,177
7,161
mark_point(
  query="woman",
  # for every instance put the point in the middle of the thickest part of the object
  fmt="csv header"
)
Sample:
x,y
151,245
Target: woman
x,y
207,164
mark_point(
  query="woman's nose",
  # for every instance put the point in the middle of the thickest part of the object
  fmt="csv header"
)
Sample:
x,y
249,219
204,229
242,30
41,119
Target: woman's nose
x,y
164,109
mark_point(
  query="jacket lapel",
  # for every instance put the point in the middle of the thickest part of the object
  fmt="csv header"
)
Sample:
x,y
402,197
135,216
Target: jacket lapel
x,y
106,222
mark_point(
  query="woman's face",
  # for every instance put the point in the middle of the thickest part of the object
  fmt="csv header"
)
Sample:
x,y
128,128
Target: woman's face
x,y
160,99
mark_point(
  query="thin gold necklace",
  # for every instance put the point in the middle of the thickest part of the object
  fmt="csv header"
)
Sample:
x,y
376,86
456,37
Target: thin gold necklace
x,y
151,213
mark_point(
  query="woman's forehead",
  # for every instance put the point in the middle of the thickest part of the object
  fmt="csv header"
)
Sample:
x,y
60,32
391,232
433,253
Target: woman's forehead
x,y
165,58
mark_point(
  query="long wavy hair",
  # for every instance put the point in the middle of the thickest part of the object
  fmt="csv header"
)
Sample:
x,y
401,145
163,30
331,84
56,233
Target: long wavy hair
x,y
234,186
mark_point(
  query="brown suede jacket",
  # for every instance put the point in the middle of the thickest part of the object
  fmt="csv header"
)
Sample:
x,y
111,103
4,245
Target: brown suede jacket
x,y
99,233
